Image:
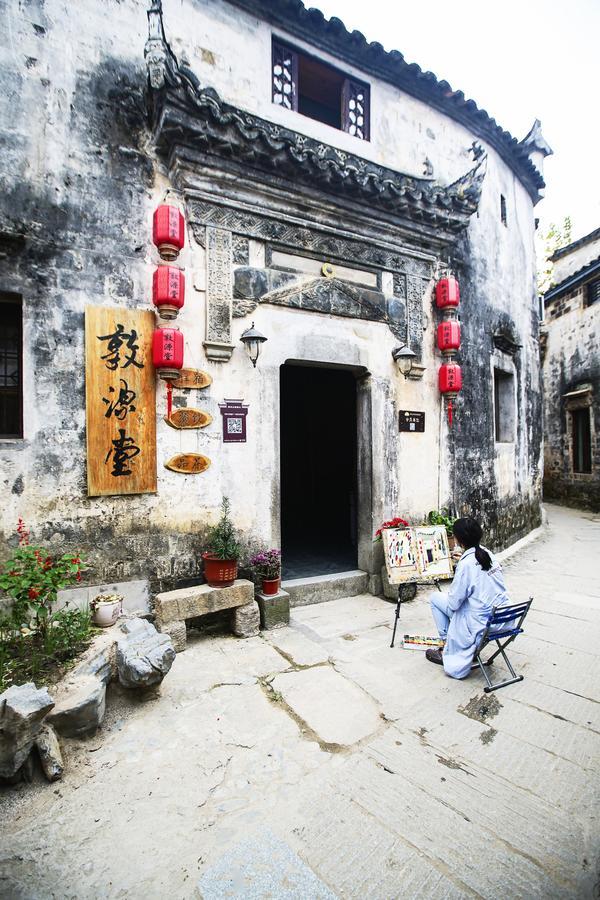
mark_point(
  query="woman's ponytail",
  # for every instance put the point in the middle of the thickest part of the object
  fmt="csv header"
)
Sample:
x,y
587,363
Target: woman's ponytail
x,y
468,533
483,558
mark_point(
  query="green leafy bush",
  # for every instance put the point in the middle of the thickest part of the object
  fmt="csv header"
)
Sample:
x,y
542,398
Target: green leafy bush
x,y
441,517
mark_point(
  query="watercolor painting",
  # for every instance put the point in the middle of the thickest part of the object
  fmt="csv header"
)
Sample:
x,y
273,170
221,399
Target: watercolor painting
x,y
417,554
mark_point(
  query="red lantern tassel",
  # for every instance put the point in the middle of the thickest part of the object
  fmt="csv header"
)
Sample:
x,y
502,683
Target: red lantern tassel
x,y
169,399
450,411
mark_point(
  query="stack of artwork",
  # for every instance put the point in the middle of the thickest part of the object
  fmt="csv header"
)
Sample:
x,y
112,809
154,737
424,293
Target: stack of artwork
x,y
417,554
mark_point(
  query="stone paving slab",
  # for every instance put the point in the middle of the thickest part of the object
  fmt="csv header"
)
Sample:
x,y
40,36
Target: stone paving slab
x,y
336,710
299,649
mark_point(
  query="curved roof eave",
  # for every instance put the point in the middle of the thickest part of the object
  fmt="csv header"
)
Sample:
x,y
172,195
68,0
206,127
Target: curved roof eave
x,y
332,36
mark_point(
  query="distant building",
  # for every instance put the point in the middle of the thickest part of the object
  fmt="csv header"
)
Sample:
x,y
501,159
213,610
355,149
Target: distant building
x,y
571,373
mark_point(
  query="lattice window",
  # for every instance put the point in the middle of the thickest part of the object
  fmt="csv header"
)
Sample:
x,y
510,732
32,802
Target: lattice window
x,y
356,109
592,294
285,76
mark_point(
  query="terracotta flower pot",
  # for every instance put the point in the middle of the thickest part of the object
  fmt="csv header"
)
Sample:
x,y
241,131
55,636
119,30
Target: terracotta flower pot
x,y
219,573
271,585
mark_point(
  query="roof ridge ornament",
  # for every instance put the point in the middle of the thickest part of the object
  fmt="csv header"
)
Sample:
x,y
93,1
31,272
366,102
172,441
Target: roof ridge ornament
x,y
160,60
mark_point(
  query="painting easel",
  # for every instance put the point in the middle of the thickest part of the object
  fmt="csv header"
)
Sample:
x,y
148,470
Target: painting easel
x,y
415,556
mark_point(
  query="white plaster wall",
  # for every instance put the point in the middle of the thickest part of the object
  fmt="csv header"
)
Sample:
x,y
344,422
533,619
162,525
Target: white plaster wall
x,y
232,51
575,260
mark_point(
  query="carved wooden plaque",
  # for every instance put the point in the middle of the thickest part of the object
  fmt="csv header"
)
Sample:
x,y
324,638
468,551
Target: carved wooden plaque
x,y
120,396
192,378
189,418
188,463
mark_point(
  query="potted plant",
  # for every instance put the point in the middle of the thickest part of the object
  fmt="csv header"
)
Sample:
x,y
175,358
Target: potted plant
x,y
396,522
106,609
221,557
441,517
267,564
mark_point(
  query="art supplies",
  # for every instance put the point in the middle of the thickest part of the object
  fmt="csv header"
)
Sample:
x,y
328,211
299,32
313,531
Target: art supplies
x,y
420,642
417,554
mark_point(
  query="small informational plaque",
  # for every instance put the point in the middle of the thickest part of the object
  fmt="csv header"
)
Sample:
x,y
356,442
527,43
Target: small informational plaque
x,y
186,417
192,378
188,463
234,414
409,420
120,401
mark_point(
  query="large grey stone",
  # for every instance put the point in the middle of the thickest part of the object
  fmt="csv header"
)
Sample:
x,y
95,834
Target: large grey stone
x,y
22,710
274,610
49,752
80,706
188,603
143,656
245,620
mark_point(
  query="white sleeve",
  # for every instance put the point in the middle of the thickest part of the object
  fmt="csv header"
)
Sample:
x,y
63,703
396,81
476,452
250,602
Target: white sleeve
x,y
461,586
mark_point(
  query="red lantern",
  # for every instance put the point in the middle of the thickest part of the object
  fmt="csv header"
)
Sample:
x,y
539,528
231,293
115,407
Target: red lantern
x,y
168,231
448,336
447,292
450,382
167,352
168,291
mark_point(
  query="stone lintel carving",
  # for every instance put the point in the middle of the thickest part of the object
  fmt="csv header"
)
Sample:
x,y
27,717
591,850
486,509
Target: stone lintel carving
x,y
219,294
329,296
411,288
320,242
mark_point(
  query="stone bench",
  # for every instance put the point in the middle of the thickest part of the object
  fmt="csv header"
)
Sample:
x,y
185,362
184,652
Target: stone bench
x,y
174,608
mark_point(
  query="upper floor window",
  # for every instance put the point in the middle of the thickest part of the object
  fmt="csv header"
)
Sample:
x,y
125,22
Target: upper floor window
x,y
11,402
581,436
319,91
503,217
504,406
592,293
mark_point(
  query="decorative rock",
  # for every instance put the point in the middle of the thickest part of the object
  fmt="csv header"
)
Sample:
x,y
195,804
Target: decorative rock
x,y
143,656
245,620
274,610
22,710
49,752
80,706
100,658
177,632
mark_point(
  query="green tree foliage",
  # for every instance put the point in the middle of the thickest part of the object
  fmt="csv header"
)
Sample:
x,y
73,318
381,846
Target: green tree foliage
x,y
556,236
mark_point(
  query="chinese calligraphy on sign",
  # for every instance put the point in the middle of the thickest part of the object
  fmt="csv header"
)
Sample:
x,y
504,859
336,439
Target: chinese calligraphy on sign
x,y
120,401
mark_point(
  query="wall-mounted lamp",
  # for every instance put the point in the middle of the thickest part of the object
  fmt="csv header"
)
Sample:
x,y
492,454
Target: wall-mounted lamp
x,y
405,358
252,339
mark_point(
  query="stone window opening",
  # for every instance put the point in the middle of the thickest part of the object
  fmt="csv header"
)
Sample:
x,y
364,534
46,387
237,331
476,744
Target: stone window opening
x,y
11,355
503,218
581,436
592,293
504,406
319,91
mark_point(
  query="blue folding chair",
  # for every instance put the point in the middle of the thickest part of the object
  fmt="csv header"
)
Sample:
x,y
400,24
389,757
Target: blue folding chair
x,y
503,625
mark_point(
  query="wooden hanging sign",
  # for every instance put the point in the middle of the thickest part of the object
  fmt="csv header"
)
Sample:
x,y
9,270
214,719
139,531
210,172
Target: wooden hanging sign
x,y
188,463
192,378
120,401
186,417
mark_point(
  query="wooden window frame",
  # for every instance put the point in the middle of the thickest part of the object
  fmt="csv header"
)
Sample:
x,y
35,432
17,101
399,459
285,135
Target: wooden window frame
x,y
350,86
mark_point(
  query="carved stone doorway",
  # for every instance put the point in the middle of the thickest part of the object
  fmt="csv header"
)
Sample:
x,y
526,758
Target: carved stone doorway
x,y
319,483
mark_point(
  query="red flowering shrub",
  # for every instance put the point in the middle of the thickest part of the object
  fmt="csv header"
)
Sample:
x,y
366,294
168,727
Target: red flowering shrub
x,y
32,577
393,523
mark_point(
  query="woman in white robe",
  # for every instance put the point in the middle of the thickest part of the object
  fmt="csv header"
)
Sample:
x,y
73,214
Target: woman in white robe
x,y
462,612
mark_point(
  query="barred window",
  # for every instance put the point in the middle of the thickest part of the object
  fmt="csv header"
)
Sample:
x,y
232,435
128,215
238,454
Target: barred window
x,y
11,400
592,293
319,91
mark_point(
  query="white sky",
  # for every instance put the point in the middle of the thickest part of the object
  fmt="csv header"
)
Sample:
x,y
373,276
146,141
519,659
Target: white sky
x,y
519,60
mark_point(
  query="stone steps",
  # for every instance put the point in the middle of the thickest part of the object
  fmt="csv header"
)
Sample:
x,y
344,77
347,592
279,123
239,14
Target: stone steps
x,y
321,588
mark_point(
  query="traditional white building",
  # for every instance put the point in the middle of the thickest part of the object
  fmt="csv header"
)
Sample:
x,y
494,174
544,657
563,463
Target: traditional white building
x,y
326,186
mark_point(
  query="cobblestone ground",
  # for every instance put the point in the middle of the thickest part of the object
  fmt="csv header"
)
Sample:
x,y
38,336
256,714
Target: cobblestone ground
x,y
316,762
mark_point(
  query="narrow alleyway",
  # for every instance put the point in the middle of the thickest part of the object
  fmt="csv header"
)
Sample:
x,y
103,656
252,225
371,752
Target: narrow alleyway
x,y
316,762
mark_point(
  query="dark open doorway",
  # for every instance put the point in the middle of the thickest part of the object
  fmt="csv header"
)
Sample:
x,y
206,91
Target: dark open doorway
x,y
318,471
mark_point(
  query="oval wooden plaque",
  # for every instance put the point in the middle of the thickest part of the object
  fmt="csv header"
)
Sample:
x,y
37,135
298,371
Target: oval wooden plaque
x,y
188,463
186,417
192,378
